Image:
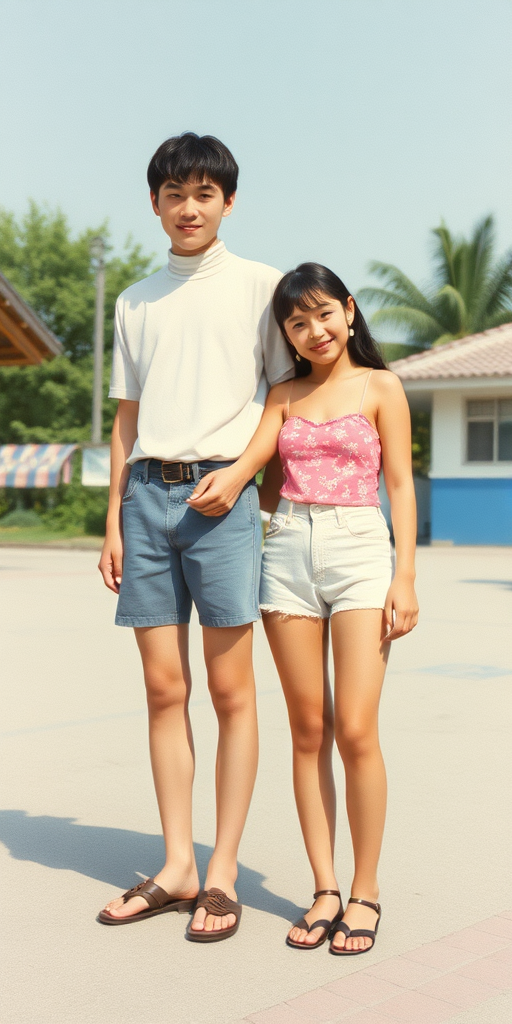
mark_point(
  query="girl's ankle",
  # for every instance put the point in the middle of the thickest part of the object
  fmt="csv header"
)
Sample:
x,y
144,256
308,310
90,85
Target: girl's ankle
x,y
365,892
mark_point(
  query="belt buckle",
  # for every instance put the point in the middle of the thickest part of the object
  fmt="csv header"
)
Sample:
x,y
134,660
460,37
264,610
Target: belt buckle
x,y
172,472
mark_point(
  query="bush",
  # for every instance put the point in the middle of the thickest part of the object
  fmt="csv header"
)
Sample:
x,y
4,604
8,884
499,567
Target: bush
x,y
96,514
69,508
21,517
78,509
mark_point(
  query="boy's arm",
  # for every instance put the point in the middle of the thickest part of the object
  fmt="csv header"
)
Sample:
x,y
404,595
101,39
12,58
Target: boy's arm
x,y
124,435
217,492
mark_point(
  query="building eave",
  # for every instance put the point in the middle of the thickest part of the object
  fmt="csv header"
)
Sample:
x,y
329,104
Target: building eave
x,y
24,339
494,383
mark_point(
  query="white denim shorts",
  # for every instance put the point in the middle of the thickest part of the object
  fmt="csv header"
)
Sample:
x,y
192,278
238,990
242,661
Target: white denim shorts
x,y
322,559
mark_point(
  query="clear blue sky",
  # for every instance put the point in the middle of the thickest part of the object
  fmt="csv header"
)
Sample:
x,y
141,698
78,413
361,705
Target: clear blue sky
x,y
357,124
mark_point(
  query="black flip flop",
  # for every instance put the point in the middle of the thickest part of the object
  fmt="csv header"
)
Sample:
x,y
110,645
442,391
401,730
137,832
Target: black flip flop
x,y
322,923
357,932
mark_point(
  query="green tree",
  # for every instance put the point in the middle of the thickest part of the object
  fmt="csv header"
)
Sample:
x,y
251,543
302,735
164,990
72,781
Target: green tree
x,y
471,290
53,272
51,403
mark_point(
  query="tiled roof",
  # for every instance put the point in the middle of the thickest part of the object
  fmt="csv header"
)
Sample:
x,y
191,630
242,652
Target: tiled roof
x,y
488,354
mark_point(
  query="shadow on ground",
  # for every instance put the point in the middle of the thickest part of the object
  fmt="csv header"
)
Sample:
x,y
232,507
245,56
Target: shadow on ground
x,y
504,584
115,856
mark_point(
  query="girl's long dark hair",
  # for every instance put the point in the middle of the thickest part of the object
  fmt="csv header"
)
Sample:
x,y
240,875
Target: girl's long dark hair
x,y
303,287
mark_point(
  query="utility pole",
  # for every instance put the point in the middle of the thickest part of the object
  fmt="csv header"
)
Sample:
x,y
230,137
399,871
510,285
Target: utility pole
x,y
98,253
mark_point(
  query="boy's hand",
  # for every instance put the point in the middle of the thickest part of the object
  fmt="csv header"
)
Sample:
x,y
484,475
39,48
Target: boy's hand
x,y
402,607
217,492
111,560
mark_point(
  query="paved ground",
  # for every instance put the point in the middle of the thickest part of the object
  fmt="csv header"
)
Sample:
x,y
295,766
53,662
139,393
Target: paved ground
x,y
80,822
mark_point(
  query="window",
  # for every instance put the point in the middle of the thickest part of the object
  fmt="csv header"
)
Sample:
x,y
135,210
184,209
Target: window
x,y
489,430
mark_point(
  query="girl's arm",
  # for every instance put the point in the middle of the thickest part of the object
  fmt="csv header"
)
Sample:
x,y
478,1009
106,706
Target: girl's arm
x,y
394,426
124,435
217,492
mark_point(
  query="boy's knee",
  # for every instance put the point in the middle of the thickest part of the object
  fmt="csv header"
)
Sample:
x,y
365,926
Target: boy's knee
x,y
229,695
165,690
312,732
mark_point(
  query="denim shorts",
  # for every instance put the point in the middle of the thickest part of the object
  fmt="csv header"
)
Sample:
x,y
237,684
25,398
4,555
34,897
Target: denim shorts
x,y
322,559
174,556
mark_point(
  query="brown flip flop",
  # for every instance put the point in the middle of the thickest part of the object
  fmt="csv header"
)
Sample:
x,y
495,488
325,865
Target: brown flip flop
x,y
215,902
159,903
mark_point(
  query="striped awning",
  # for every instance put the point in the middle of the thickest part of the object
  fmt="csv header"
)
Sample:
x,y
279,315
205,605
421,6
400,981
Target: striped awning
x,y
35,465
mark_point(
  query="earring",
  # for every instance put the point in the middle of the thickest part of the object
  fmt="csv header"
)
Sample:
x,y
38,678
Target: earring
x,y
351,332
298,356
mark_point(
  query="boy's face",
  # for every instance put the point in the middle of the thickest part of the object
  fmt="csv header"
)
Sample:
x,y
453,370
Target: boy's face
x,y
191,214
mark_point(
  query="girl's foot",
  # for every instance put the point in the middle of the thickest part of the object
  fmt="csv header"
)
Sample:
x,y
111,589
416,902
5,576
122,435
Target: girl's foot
x,y
357,916
173,881
324,908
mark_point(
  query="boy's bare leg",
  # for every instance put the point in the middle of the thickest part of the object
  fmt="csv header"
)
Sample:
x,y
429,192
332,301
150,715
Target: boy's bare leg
x,y
164,651
228,657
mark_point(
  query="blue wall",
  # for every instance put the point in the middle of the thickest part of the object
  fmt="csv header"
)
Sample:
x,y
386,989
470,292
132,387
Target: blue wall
x,y
477,511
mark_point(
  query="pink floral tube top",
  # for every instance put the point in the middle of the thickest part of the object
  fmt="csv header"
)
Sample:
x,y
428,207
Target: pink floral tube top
x,y
331,463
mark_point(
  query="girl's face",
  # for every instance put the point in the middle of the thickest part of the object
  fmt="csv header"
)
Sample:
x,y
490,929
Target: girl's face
x,y
320,333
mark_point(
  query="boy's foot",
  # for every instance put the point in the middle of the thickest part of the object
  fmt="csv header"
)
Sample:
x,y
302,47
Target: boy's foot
x,y
324,908
182,885
356,916
218,907
203,921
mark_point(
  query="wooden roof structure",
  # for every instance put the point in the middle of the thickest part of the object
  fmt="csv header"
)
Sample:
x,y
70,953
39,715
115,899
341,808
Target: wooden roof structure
x,y
24,339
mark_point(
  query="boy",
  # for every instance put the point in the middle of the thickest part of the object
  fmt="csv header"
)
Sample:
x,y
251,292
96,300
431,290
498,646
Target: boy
x,y
195,349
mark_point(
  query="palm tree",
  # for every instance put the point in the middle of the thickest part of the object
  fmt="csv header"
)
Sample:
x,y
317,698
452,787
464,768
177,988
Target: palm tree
x,y
471,290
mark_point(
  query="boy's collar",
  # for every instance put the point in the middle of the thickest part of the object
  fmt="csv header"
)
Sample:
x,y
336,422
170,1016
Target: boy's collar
x,y
203,265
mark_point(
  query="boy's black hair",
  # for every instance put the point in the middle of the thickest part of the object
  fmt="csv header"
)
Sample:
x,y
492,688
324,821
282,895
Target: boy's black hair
x,y
190,157
304,287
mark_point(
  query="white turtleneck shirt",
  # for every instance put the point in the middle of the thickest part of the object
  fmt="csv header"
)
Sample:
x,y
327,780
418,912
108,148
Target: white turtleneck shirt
x,y
197,345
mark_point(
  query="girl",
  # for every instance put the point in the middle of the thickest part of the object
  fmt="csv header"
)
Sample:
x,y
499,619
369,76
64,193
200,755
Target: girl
x,y
327,552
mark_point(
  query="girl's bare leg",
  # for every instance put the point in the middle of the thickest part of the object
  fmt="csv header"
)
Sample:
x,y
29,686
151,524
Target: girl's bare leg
x,y
164,651
299,648
228,657
360,662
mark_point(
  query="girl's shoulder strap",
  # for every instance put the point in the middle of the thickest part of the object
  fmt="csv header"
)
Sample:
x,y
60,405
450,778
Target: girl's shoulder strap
x,y
363,396
287,411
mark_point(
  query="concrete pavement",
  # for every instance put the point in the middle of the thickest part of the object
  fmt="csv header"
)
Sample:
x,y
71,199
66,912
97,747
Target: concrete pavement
x,y
79,820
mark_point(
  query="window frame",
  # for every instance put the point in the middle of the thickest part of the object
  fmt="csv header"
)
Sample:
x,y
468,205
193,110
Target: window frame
x,y
495,461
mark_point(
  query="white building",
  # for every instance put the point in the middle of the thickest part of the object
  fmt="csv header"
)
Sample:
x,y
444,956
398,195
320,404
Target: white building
x,y
467,384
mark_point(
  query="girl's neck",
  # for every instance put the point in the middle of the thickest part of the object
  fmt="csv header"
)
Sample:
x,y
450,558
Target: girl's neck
x,y
343,367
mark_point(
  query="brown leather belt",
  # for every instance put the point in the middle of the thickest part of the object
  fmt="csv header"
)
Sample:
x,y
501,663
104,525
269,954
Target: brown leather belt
x,y
177,473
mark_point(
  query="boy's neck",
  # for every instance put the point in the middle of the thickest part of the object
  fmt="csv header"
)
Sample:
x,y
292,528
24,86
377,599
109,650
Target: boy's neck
x,y
178,251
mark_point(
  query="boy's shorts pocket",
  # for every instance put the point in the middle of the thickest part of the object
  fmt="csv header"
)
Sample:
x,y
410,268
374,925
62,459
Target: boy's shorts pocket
x,y
132,485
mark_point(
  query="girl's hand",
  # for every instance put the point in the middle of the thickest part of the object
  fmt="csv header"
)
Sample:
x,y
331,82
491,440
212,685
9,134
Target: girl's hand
x,y
111,560
217,492
402,601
